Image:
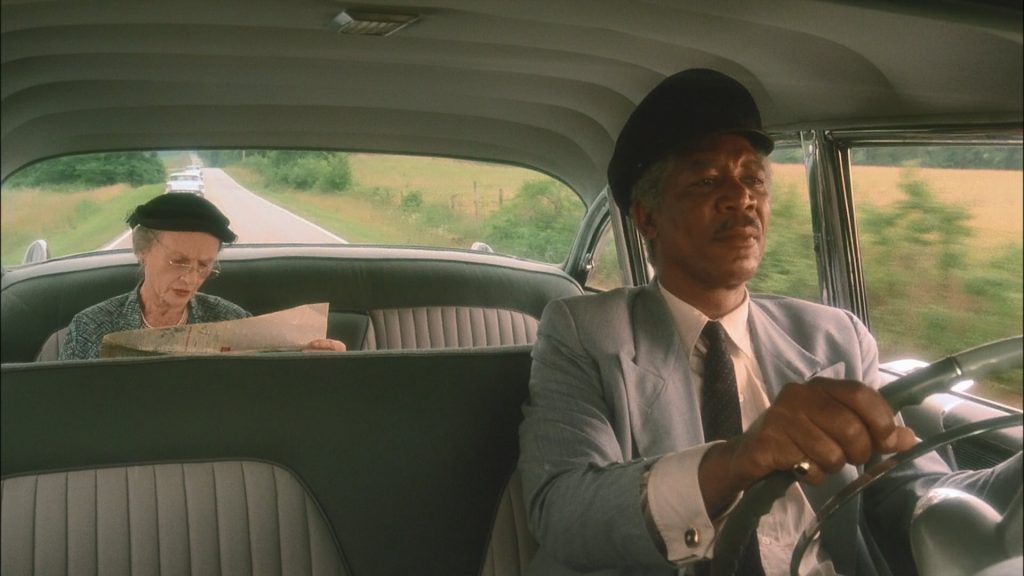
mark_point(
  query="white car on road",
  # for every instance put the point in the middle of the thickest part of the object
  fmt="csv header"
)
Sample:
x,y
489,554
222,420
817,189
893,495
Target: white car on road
x,y
186,182
194,170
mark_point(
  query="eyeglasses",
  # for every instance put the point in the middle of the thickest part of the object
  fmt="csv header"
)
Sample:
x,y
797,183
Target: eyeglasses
x,y
184,266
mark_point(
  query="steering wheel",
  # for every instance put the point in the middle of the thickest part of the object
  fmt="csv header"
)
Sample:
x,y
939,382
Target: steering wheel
x,y
908,390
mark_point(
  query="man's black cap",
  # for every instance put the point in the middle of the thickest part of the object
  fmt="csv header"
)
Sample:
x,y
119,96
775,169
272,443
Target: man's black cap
x,y
183,213
682,109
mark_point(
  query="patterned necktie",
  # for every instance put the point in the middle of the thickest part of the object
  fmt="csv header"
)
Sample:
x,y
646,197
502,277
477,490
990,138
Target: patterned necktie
x,y
720,415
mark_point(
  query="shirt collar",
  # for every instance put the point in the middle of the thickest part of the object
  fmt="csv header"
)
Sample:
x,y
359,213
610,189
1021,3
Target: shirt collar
x,y
690,322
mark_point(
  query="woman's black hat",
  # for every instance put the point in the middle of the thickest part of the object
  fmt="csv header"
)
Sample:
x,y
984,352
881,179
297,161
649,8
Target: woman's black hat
x,y
183,213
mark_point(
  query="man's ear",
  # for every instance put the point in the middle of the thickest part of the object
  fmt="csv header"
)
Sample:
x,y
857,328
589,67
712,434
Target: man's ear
x,y
644,221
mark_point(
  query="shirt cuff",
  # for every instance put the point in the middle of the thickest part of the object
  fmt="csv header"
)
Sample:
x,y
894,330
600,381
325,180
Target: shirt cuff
x,y
677,506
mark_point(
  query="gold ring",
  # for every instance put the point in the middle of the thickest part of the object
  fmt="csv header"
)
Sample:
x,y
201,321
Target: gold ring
x,y
802,468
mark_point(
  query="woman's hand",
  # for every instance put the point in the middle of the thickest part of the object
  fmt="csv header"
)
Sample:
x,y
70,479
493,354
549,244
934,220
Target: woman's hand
x,y
325,345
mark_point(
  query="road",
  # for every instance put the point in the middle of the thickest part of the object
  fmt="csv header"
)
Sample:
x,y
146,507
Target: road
x,y
255,220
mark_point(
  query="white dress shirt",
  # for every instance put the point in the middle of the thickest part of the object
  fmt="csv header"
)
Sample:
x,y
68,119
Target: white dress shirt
x,y
674,476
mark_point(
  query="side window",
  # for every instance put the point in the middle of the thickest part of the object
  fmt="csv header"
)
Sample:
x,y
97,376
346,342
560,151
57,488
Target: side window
x,y
940,233
789,267
607,271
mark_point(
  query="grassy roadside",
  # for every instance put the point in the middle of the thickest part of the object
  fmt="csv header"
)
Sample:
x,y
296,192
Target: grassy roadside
x,y
474,189
70,222
404,199
354,218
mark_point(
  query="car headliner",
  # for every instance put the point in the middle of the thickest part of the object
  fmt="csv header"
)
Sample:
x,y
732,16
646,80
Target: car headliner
x,y
540,83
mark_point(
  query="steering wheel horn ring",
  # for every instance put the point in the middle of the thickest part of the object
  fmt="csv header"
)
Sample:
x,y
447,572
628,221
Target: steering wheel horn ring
x,y
908,390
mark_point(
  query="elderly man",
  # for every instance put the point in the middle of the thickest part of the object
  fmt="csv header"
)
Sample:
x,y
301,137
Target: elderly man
x,y
652,409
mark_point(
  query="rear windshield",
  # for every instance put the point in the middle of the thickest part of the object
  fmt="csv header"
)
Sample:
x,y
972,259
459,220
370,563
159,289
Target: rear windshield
x,y
79,204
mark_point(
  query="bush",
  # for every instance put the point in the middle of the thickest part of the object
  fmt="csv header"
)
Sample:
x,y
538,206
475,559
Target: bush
x,y
919,235
302,173
539,223
412,200
335,174
303,170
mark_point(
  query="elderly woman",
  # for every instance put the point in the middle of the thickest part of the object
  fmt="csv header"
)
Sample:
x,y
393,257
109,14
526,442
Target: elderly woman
x,y
177,238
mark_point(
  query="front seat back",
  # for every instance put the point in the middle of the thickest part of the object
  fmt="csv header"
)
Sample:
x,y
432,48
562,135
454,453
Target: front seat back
x,y
223,517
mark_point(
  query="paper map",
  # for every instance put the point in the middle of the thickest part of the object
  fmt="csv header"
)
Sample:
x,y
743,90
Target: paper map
x,y
286,330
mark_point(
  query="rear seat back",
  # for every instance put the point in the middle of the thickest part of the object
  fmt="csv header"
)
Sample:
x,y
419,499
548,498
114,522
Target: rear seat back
x,y
407,453
226,517
50,350
422,328
476,302
431,327
433,301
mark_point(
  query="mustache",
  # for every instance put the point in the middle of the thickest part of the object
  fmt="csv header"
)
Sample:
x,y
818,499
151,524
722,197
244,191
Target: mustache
x,y
739,221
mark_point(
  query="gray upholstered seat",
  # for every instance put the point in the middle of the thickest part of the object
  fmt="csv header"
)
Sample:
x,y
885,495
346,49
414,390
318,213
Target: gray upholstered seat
x,y
417,328
407,454
432,327
50,349
225,517
512,546
427,327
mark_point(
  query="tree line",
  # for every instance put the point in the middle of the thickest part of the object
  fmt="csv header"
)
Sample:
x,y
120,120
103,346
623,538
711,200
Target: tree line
x,y
328,171
306,170
973,157
91,171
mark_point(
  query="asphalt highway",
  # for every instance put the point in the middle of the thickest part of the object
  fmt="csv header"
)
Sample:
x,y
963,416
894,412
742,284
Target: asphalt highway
x,y
255,220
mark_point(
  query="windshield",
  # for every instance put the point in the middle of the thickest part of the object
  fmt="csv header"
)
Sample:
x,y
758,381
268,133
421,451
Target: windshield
x,y
79,204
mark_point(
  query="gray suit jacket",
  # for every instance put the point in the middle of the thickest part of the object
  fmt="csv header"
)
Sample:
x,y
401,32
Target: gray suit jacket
x,y
611,392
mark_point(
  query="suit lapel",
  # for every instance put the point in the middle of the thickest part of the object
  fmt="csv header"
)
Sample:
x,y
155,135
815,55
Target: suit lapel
x,y
782,361
655,339
657,379
780,358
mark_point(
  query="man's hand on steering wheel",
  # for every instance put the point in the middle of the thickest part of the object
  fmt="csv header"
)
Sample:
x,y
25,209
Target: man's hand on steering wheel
x,y
909,390
825,423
